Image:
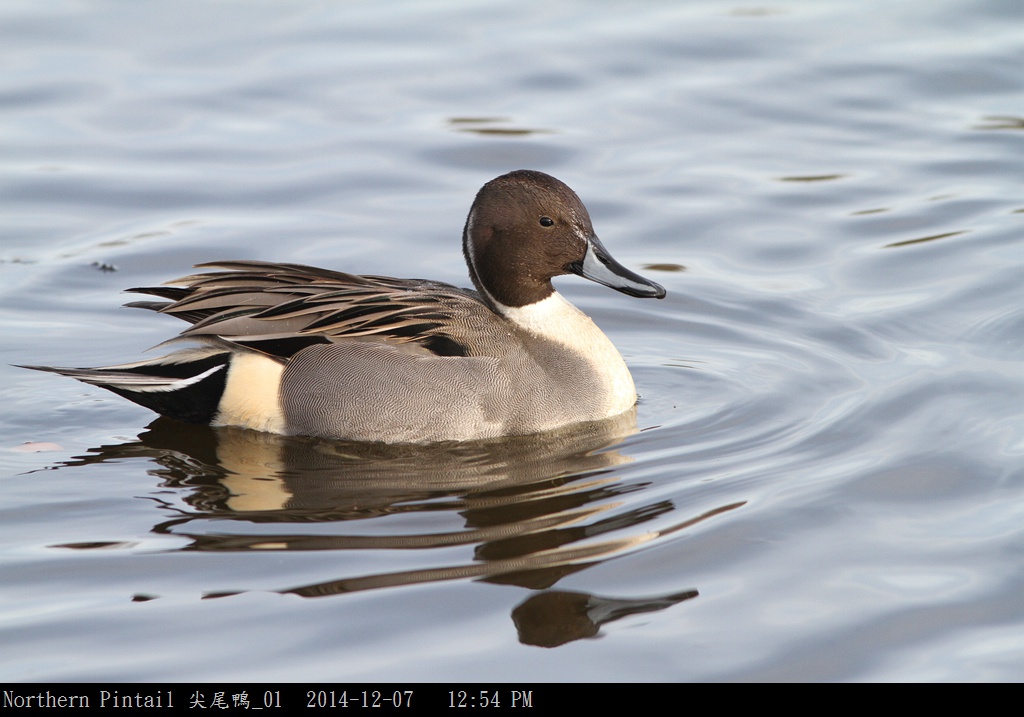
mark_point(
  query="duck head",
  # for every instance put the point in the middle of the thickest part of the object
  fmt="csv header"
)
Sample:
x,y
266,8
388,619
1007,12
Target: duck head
x,y
525,228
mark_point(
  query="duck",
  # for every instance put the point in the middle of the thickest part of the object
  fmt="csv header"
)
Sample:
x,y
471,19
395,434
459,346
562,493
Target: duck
x,y
298,350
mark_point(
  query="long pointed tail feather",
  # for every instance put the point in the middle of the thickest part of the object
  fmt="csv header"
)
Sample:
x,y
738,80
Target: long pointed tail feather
x,y
186,385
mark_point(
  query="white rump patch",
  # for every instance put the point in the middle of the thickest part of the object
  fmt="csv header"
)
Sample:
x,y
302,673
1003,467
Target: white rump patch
x,y
251,394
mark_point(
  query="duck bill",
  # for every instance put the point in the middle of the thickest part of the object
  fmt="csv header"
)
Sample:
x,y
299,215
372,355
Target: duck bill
x,y
598,265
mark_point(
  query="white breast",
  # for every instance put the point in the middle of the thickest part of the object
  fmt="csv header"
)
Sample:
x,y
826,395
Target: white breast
x,y
555,319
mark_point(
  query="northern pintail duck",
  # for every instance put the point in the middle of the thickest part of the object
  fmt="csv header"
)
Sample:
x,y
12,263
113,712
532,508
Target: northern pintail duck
x,y
293,349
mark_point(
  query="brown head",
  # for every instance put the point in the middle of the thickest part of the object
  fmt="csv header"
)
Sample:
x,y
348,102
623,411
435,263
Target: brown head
x,y
526,227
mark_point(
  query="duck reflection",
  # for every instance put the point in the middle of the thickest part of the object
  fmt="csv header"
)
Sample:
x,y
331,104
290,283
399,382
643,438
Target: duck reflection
x,y
553,618
531,509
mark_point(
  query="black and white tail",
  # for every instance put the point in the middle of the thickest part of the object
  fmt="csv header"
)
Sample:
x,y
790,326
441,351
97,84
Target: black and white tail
x,y
187,384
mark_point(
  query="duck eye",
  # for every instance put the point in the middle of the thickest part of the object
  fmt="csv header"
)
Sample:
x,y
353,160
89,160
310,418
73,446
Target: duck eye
x,y
547,222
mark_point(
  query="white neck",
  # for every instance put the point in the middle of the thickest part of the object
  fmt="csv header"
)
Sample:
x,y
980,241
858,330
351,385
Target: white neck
x,y
555,319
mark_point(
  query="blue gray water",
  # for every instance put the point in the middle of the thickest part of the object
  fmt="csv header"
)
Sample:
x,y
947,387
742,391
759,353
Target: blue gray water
x,y
827,482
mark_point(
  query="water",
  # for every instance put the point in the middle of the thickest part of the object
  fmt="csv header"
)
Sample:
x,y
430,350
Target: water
x,y
827,482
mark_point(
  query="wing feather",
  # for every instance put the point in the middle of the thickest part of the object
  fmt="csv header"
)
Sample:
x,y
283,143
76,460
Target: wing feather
x,y
280,308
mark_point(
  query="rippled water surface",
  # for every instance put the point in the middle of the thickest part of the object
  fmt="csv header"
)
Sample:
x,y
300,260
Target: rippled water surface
x,y
827,482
